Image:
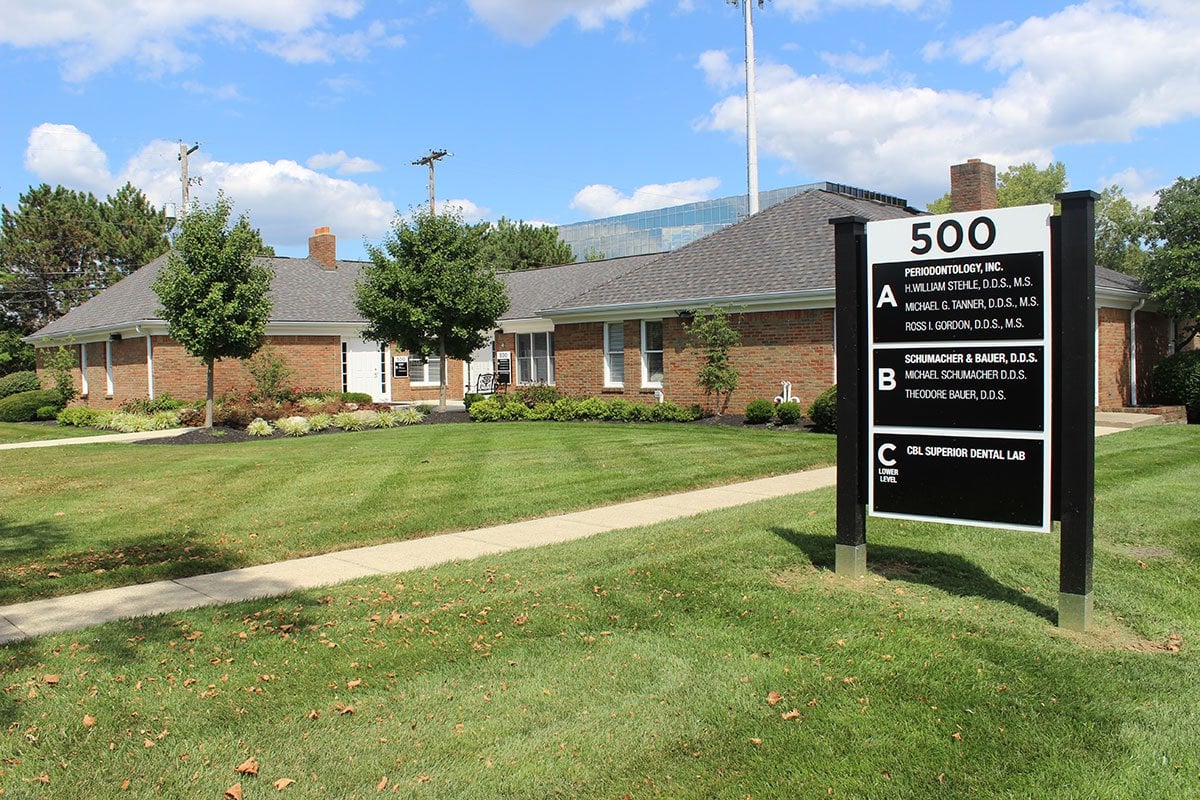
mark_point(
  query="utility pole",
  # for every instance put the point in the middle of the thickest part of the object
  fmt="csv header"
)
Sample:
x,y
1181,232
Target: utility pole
x,y
429,160
751,115
184,152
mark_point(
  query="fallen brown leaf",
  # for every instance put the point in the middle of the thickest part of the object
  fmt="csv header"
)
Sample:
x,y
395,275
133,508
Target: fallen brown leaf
x,y
774,698
283,783
383,782
89,721
125,785
793,714
235,792
51,680
247,767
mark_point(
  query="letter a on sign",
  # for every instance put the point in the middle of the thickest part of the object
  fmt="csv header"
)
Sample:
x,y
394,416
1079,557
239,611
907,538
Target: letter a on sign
x,y
886,296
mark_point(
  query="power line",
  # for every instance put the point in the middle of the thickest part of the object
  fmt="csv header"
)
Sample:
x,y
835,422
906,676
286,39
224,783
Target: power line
x,y
430,159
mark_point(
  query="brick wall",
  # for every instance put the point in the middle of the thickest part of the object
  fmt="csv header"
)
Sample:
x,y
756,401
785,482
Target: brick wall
x,y
403,390
1153,343
1113,362
776,345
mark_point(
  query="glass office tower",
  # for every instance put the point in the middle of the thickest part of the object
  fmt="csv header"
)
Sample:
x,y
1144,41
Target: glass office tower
x,y
665,229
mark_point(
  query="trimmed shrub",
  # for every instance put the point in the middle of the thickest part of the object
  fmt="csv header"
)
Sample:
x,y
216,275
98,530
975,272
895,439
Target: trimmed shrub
x,y
673,412
470,398
320,422
144,405
823,411
534,393
356,397
259,427
23,406
407,416
1176,381
293,426
19,382
46,412
78,416
759,411
789,413
164,420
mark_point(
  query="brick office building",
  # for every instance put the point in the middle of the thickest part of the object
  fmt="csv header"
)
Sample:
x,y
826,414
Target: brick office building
x,y
123,351
606,328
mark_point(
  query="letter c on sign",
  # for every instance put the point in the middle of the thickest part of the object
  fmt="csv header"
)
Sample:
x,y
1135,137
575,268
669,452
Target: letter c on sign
x,y
887,462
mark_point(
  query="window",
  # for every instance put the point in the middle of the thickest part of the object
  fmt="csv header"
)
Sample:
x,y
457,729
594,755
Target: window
x,y
83,381
652,353
535,358
424,372
614,354
108,370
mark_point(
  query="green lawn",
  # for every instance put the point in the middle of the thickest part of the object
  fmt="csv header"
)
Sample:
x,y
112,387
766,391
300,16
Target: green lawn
x,y
36,432
713,657
79,518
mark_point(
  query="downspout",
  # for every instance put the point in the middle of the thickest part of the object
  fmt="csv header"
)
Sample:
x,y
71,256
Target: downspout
x,y
1133,382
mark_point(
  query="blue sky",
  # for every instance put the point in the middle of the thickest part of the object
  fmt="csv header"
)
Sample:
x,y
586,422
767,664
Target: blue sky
x,y
310,112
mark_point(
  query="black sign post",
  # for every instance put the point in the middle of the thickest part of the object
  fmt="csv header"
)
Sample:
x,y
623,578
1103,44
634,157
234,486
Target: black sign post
x,y
850,267
965,375
1075,453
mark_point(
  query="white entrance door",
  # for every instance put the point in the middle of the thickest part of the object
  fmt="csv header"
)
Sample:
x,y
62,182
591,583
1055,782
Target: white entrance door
x,y
480,364
363,369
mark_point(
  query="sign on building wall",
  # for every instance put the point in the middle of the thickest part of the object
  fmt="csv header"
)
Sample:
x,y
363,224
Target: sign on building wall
x,y
959,359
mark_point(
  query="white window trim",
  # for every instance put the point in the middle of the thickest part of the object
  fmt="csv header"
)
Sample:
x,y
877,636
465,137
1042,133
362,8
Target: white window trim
x,y
423,384
108,372
149,366
83,382
549,337
646,382
609,383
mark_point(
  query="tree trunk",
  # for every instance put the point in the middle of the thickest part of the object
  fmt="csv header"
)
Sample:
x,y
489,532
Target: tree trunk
x,y
208,402
442,384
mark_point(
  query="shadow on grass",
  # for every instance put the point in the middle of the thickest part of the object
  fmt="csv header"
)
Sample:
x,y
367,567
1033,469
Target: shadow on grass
x,y
30,570
950,573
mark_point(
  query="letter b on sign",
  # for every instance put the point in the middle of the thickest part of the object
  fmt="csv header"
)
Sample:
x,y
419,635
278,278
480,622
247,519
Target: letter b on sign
x,y
887,379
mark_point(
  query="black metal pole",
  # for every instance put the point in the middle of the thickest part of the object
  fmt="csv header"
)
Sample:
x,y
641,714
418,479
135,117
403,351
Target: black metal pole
x,y
850,272
1077,452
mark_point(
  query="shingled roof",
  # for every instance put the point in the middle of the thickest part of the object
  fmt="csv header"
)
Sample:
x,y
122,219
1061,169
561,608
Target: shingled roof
x,y
784,249
302,291
533,289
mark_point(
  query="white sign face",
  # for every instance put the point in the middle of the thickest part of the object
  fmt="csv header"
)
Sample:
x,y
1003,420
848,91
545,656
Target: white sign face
x,y
958,335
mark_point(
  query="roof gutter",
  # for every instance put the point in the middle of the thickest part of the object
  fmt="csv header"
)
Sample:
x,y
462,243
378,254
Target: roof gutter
x,y
811,298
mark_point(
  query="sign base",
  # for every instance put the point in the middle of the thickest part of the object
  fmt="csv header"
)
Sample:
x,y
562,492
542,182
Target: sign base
x,y
1075,611
850,561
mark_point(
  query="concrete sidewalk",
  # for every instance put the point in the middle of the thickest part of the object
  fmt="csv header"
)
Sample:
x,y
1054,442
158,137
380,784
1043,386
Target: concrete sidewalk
x,y
42,617
104,437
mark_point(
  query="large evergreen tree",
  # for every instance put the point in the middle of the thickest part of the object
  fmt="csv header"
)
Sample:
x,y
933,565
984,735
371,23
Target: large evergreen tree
x,y
509,245
60,247
214,294
429,289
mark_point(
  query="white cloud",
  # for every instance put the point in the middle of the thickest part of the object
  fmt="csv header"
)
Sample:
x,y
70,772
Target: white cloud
x,y
719,70
856,63
468,210
807,9
527,21
345,164
64,154
601,200
226,92
1092,72
91,35
284,199
1140,186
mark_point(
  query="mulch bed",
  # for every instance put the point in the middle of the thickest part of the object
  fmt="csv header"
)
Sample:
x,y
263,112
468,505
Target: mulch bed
x,y
221,434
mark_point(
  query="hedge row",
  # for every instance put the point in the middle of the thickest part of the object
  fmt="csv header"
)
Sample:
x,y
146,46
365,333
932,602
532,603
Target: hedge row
x,y
501,408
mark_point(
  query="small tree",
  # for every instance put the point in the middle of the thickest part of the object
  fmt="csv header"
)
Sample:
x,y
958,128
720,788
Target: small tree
x,y
714,337
214,295
429,290
60,364
270,373
1172,271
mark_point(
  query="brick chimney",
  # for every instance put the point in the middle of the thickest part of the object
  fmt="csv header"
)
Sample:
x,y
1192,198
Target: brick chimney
x,y
972,186
322,248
